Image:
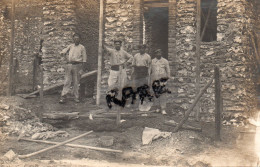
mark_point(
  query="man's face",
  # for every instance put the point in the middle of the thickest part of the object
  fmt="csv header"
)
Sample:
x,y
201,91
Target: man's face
x,y
158,54
76,39
117,45
142,50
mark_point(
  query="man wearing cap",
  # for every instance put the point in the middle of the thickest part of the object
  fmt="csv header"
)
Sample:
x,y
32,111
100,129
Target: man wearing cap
x,y
160,69
118,59
76,64
140,67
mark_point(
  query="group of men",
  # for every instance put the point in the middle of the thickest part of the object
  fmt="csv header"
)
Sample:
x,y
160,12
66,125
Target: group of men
x,y
144,69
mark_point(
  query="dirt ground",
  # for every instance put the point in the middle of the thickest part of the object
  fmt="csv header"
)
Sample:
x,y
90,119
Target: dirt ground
x,y
184,148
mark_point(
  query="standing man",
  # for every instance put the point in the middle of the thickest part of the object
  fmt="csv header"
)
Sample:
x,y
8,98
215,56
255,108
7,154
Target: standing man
x,y
76,64
141,67
160,69
118,59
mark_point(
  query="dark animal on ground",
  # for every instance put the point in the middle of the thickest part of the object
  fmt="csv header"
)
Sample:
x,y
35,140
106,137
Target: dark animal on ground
x,y
159,87
143,92
111,97
127,93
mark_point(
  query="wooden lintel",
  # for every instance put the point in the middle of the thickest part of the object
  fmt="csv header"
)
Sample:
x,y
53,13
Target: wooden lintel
x,y
156,5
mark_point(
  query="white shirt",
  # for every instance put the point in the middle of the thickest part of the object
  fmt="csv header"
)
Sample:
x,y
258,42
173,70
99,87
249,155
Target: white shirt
x,y
142,60
159,69
77,53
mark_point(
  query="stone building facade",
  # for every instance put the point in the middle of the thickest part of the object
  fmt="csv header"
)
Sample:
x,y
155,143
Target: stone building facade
x,y
232,51
134,21
54,21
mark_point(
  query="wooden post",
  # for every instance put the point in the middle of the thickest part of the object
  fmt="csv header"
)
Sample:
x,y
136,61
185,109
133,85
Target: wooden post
x,y
35,64
15,74
193,105
42,86
198,42
100,51
118,116
74,145
10,77
218,104
55,146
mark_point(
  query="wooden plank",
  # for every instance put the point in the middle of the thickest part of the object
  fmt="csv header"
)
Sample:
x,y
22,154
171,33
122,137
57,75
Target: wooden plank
x,y
74,145
156,5
59,85
100,51
52,147
197,55
123,116
193,105
218,104
62,116
187,127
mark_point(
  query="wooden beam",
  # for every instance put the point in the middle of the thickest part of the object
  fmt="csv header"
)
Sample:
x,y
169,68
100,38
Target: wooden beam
x,y
187,127
218,104
58,85
100,51
197,55
52,147
156,5
74,145
193,105
61,116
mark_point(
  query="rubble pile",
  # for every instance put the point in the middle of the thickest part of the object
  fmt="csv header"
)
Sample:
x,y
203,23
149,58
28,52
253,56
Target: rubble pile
x,y
237,119
15,120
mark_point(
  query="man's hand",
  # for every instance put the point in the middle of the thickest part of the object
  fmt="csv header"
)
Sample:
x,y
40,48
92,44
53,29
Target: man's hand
x,y
84,66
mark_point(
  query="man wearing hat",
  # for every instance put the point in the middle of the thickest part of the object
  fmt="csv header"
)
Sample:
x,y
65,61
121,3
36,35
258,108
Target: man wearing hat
x,y
140,67
118,59
160,69
76,64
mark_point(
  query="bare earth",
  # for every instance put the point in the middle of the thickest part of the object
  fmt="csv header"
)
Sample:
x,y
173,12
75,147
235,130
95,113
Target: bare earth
x,y
184,148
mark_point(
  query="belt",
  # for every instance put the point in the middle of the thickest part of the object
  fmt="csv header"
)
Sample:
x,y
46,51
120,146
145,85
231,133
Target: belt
x,y
115,67
74,62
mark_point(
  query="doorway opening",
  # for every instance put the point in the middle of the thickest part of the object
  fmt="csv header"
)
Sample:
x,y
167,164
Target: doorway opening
x,y
156,29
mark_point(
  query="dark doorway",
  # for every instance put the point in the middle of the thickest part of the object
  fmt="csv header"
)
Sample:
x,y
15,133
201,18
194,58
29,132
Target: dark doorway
x,y
209,20
156,29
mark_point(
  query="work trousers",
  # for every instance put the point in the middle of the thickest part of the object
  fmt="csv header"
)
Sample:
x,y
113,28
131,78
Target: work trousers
x,y
161,101
72,74
113,79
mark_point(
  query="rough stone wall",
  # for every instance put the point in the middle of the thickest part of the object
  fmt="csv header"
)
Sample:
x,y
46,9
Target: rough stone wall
x,y
184,65
239,71
59,26
28,29
232,52
123,19
4,46
172,51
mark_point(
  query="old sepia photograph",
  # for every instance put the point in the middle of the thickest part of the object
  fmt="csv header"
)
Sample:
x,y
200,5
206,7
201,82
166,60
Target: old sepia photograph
x,y
129,83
